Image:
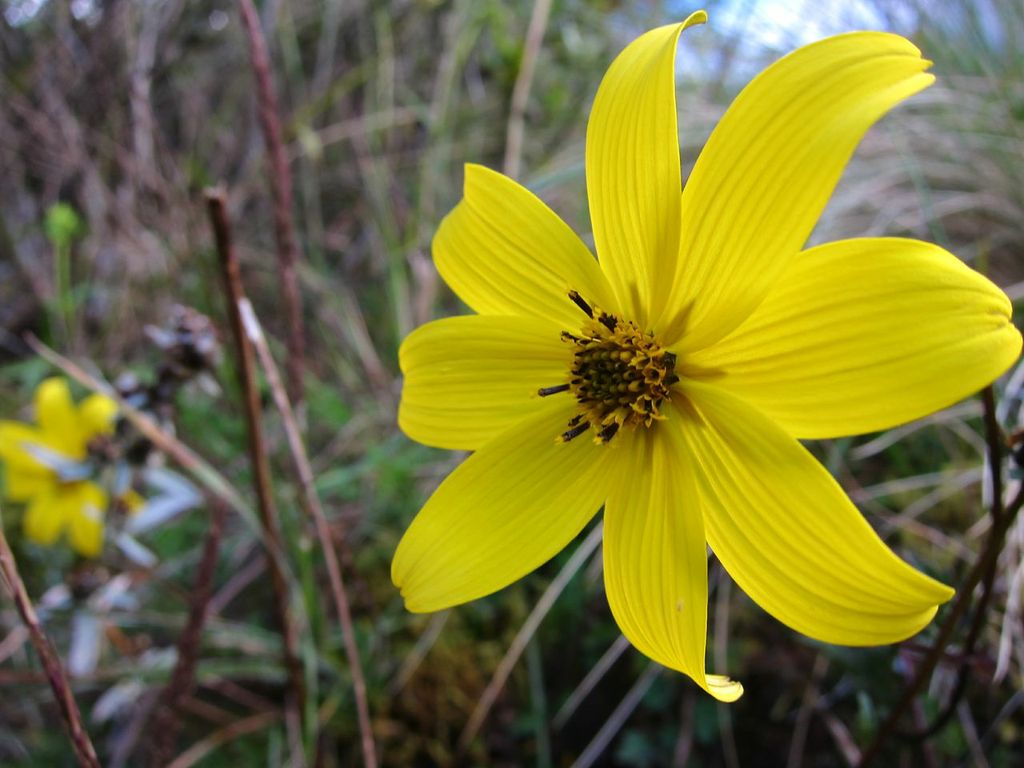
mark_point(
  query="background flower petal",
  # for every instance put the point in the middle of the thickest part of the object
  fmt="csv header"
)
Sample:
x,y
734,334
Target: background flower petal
x,y
632,159
87,505
861,335
44,517
790,537
504,511
467,379
57,418
14,437
768,169
655,555
504,252
96,415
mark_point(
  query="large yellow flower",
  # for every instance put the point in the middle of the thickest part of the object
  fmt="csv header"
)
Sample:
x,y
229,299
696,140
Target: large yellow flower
x,y
696,352
46,466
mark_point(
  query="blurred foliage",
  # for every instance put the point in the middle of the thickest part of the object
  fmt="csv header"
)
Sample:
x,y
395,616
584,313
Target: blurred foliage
x,y
117,114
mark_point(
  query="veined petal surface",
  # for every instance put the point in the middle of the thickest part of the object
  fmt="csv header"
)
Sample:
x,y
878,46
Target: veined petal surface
x,y
469,378
861,335
655,555
504,252
790,537
633,177
768,169
507,509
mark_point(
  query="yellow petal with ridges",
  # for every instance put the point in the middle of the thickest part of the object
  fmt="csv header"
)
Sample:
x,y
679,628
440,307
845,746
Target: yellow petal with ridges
x,y
655,555
861,335
87,505
467,379
633,177
504,252
45,517
58,418
507,509
768,169
790,537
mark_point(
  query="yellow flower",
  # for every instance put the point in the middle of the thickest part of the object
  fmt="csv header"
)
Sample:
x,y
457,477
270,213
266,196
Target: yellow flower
x,y
46,467
696,352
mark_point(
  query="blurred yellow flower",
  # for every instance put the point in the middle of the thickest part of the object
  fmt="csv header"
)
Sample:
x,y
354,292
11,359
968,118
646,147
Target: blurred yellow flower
x,y
697,351
46,467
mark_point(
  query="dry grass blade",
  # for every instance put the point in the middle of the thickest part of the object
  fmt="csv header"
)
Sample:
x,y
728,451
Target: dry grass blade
x,y
229,733
522,638
84,750
521,90
314,510
597,746
593,677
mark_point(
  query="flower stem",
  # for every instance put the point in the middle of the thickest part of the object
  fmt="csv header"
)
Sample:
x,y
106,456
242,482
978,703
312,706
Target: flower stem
x,y
273,544
280,178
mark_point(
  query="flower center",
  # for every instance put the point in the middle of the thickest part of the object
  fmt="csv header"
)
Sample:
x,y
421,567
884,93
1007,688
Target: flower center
x,y
619,375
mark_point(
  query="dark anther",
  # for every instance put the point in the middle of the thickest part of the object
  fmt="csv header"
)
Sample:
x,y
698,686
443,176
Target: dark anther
x,y
545,391
576,431
579,302
671,379
608,321
608,432
575,419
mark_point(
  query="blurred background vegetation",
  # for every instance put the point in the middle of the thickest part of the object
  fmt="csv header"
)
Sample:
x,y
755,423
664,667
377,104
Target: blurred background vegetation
x,y
114,116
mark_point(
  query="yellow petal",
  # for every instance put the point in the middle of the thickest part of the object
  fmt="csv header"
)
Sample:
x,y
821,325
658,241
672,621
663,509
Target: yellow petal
x,y
45,517
467,379
789,536
24,483
655,555
507,509
96,415
504,252
58,419
861,335
87,504
768,169
632,159
15,438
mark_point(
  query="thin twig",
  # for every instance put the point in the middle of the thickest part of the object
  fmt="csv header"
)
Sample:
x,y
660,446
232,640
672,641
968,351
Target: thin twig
x,y
994,447
167,723
84,750
313,509
522,638
521,89
1002,519
280,177
216,205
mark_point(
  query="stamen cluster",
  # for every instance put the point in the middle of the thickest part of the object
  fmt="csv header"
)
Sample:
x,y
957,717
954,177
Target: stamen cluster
x,y
619,375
